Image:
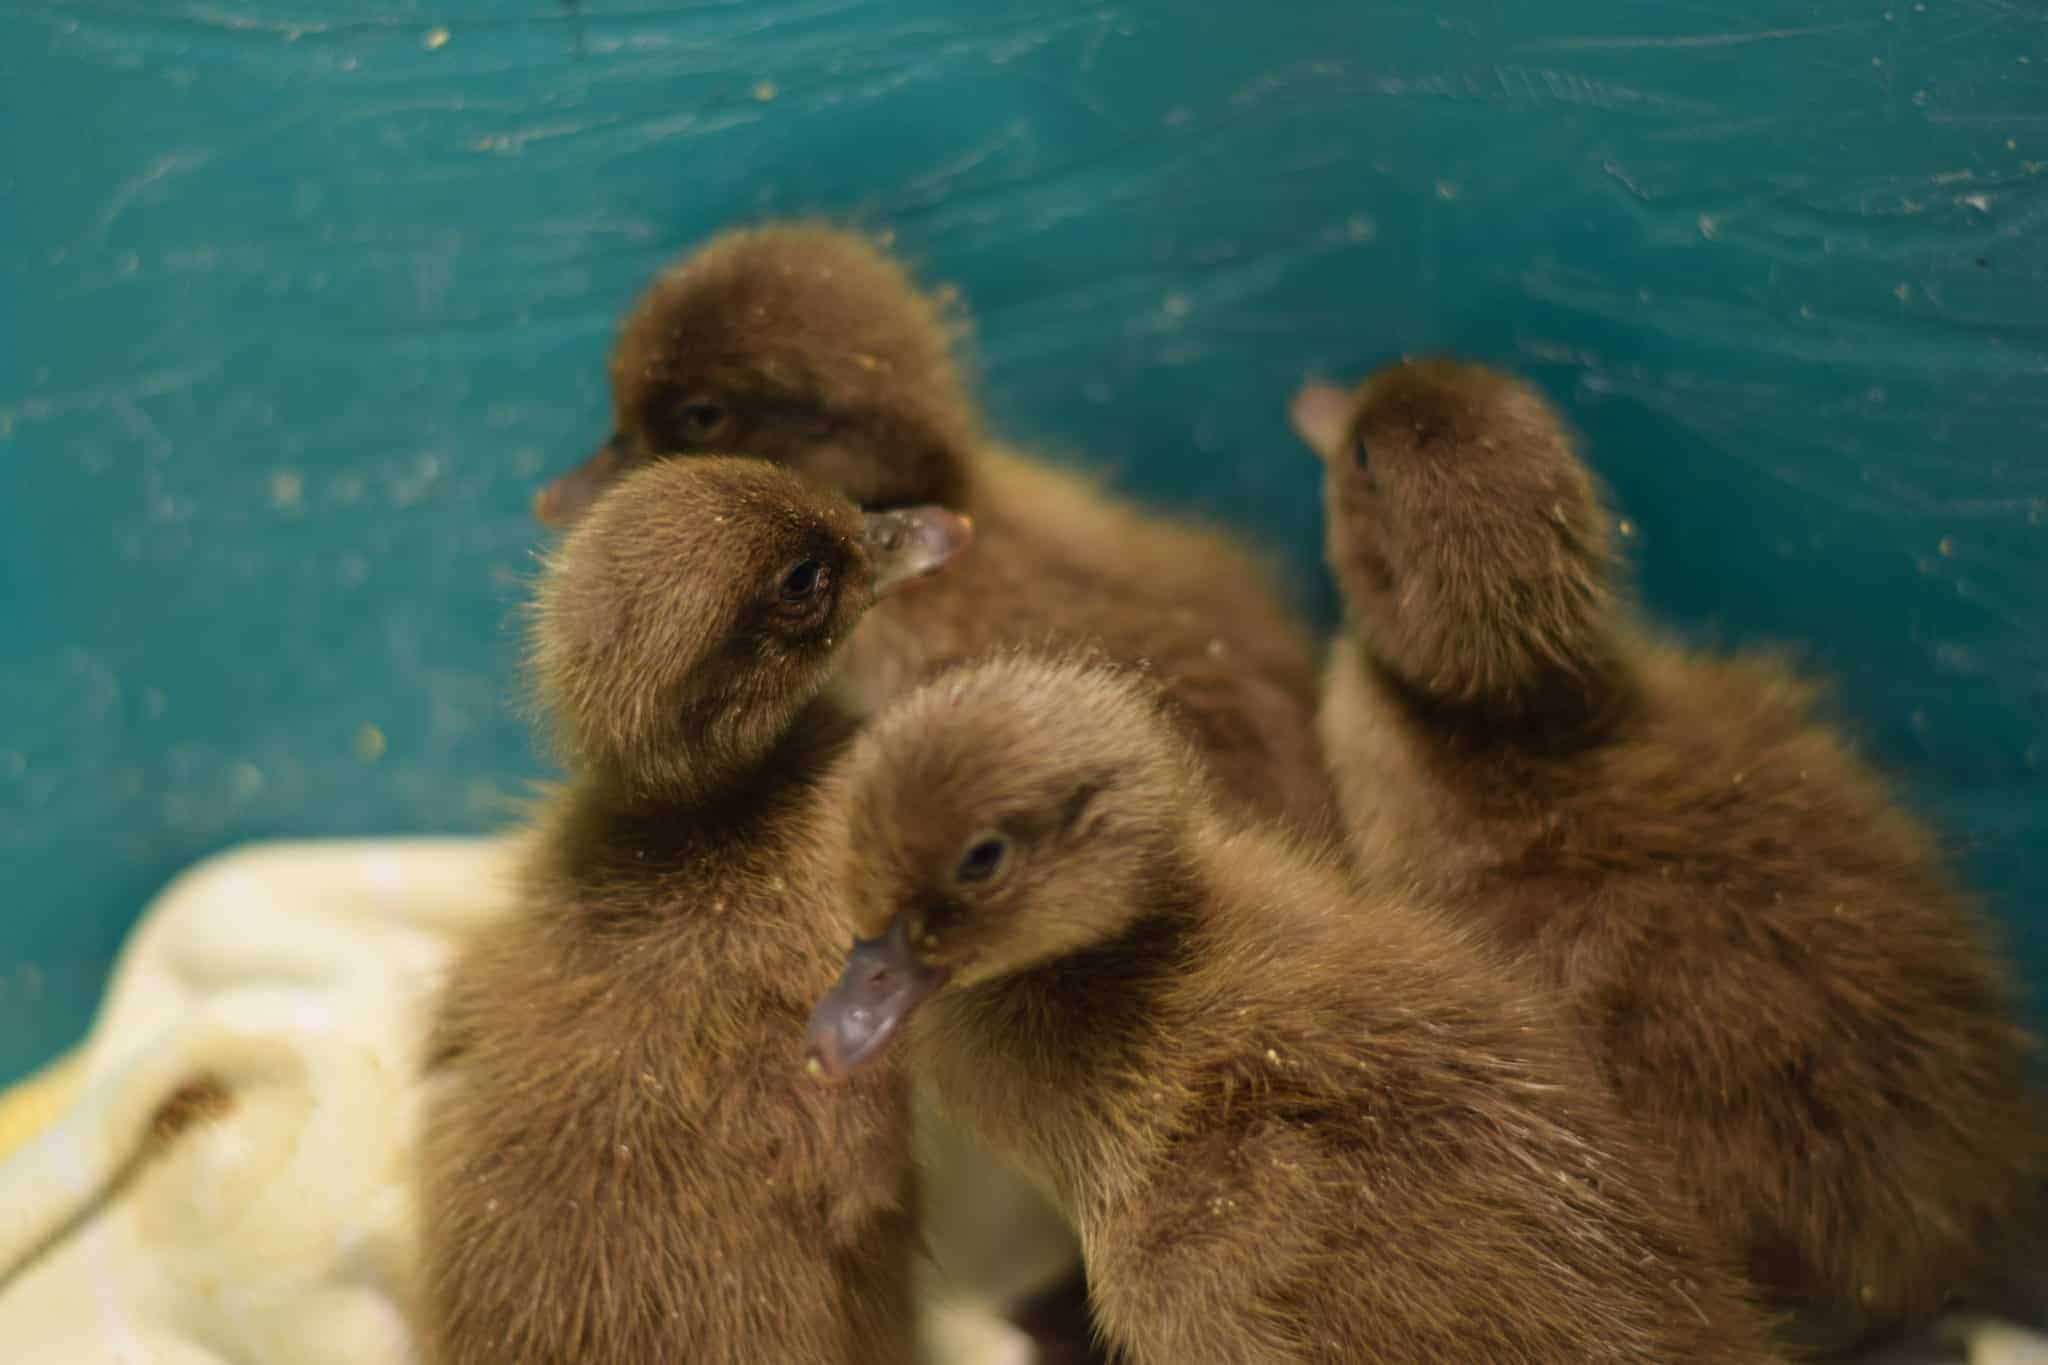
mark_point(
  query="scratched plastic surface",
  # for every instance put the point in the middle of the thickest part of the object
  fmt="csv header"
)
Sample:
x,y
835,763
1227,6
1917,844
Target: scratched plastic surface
x,y
301,299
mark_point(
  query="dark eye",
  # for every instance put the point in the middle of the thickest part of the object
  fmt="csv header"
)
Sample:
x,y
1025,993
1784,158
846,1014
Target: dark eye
x,y
983,859
1360,455
805,580
696,422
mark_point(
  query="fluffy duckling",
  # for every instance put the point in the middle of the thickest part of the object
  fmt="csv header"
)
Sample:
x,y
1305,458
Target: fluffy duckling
x,y
1771,962
811,347
623,1161
1291,1127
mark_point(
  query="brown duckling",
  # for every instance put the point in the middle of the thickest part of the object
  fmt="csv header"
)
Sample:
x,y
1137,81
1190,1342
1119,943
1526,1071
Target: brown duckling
x,y
809,346
623,1161
1768,957
1290,1126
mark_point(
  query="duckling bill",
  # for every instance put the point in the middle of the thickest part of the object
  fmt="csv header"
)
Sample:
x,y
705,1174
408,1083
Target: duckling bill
x,y
883,982
567,496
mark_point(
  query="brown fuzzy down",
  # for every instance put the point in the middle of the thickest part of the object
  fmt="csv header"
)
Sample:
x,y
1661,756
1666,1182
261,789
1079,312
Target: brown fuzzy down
x,y
1291,1125
623,1160
818,349
1455,457
1770,959
821,354
646,674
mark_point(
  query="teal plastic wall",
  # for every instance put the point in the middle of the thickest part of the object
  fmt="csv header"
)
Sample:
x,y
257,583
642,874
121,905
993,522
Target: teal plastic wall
x,y
299,301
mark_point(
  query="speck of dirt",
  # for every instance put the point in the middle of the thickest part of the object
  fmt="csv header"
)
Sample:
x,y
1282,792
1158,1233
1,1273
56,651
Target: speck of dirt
x,y
287,490
200,1100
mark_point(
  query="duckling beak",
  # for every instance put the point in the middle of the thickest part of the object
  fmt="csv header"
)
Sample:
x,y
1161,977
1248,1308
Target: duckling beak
x,y
883,982
908,543
1321,414
565,499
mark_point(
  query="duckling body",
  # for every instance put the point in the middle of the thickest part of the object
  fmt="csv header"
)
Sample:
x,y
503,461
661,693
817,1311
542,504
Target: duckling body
x,y
809,346
1768,958
623,1161
1290,1126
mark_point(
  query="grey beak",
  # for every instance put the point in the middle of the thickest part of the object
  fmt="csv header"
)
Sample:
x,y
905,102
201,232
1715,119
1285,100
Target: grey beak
x,y
565,498
882,984
1321,415
910,542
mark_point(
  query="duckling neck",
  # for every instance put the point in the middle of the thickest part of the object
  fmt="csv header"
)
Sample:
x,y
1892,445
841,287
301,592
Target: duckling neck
x,y
1447,791
993,481
1051,1063
699,780
1562,712
613,830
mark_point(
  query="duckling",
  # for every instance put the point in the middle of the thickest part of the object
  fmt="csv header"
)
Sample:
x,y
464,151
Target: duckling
x,y
1290,1125
622,1161
811,347
1771,962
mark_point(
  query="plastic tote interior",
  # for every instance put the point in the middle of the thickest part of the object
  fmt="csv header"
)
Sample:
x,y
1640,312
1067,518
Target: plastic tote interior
x,y
299,302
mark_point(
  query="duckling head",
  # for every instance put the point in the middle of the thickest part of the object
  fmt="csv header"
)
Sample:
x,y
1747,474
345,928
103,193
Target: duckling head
x,y
1006,815
799,343
684,622
1471,544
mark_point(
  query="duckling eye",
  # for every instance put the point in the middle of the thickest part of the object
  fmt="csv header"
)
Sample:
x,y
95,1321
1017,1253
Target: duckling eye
x,y
983,859
805,580
697,422
1360,455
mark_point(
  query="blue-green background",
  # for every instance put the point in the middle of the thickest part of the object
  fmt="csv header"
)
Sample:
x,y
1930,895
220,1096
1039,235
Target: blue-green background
x,y
298,301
